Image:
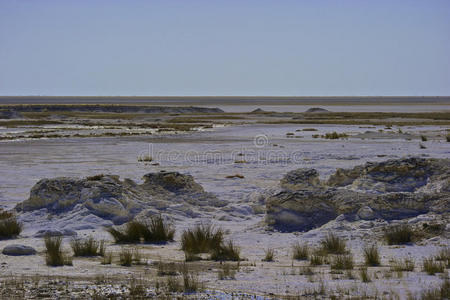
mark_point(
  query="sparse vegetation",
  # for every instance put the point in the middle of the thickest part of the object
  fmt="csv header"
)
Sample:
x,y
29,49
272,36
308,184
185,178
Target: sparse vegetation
x,y
269,255
334,135
342,262
54,254
316,260
444,256
300,252
130,234
167,269
9,226
431,266
405,265
447,138
332,244
145,158
371,255
439,293
398,234
226,272
107,258
88,247
423,138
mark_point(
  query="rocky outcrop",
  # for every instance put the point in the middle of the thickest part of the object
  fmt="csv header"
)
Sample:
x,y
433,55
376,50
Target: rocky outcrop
x,y
108,198
18,250
390,190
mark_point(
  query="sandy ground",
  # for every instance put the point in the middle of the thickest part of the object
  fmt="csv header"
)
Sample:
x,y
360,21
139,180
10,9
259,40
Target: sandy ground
x,y
210,156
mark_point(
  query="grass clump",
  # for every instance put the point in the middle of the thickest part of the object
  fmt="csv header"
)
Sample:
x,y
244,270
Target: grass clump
x,y
126,257
371,256
431,266
300,252
444,255
342,262
190,281
332,244
201,239
364,275
154,231
423,138
226,251
54,255
9,226
398,235
316,260
447,138
157,231
269,255
441,292
167,269
88,247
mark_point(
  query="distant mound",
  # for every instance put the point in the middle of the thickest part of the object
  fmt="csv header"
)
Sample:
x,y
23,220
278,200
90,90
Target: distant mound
x,y
72,203
258,111
317,110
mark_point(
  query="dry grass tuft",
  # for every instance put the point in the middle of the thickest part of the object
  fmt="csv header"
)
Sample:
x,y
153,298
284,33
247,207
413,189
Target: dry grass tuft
x,y
9,226
371,255
332,244
88,247
201,239
54,255
399,234
300,252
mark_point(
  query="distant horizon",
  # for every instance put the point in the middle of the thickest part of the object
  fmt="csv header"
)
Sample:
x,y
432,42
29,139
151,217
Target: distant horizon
x,y
243,48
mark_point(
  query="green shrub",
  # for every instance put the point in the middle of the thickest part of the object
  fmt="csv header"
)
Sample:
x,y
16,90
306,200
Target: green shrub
x,y
226,251
9,226
300,252
201,239
332,244
342,262
54,255
398,235
371,256
431,267
88,247
269,255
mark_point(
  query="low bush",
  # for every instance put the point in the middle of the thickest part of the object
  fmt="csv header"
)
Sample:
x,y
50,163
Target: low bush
x,y
54,254
107,258
398,234
371,256
9,226
300,252
129,235
88,247
444,256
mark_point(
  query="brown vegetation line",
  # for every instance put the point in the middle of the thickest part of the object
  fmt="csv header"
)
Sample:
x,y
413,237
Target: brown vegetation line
x,y
229,100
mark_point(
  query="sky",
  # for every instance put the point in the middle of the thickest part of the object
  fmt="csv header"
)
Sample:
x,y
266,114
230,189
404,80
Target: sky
x,y
226,48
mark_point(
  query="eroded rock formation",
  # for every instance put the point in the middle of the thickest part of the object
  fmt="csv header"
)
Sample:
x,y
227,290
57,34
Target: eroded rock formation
x,y
394,189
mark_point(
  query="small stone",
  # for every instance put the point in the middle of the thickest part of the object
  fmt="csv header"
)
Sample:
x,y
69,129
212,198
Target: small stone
x,y
18,250
366,213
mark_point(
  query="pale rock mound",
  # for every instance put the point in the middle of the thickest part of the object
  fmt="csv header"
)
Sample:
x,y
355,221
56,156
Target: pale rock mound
x,y
105,199
390,190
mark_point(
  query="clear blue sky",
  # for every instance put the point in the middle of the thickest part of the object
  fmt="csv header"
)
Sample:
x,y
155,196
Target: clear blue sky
x,y
228,47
